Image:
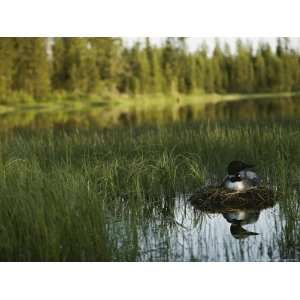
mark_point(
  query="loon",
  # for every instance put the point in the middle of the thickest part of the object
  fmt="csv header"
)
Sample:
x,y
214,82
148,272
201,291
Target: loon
x,y
240,177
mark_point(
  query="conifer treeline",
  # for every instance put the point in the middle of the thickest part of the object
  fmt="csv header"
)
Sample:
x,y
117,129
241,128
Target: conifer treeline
x,y
37,68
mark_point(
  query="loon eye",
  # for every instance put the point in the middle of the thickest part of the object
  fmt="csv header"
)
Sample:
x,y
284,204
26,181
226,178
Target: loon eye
x,y
238,177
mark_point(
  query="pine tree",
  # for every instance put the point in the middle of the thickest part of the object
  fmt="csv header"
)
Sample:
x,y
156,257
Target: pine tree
x,y
279,47
131,77
59,72
32,67
289,70
124,78
155,83
218,68
260,73
169,64
190,77
243,70
144,72
74,65
208,75
108,53
200,62
227,69
7,57
274,69
91,70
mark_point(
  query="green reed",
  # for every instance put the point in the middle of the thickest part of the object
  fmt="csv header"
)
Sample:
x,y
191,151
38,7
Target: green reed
x,y
87,194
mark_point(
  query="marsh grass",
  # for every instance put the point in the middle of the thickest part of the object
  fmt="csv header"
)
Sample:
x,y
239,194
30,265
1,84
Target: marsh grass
x,y
88,195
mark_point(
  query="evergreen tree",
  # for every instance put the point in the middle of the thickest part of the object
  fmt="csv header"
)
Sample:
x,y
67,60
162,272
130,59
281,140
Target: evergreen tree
x,y
290,68
243,71
169,64
100,65
125,74
279,47
218,68
74,65
274,69
59,73
227,69
133,80
208,76
108,54
144,74
200,61
7,57
32,67
260,72
155,80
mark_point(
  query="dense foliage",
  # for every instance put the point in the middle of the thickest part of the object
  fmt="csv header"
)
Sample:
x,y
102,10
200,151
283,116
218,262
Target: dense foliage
x,y
42,68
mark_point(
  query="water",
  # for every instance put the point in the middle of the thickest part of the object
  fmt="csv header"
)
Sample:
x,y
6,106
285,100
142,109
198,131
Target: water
x,y
103,116
197,236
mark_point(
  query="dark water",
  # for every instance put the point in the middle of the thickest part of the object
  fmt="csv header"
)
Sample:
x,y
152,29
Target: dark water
x,y
112,116
253,235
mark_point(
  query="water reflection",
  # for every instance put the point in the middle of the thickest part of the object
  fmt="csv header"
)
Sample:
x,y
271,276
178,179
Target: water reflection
x,y
110,116
250,235
239,218
252,109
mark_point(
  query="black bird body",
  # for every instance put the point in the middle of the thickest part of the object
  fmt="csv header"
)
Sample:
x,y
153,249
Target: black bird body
x,y
240,177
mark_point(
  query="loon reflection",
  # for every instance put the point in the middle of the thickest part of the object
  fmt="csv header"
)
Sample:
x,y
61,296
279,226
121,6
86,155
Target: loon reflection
x,y
239,218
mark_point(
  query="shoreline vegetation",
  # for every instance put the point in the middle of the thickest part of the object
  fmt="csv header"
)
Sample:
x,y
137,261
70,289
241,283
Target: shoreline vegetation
x,y
84,70
138,101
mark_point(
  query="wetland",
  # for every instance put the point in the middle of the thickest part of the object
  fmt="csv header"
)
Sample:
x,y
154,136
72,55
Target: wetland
x,y
107,183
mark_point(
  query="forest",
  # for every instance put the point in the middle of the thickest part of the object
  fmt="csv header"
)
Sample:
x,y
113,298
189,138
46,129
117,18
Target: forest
x,y
52,69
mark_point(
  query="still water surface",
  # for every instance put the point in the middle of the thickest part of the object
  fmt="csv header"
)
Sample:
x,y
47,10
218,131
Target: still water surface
x,y
196,236
103,116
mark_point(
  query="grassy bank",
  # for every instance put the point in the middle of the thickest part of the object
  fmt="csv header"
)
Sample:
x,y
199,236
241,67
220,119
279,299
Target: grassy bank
x,y
90,194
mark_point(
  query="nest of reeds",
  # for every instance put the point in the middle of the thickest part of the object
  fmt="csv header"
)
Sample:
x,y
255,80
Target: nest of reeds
x,y
219,199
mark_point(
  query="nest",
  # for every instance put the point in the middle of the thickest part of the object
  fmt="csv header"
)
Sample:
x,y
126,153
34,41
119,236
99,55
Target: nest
x,y
219,199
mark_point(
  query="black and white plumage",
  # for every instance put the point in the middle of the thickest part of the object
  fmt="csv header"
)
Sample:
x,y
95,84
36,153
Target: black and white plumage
x,y
240,177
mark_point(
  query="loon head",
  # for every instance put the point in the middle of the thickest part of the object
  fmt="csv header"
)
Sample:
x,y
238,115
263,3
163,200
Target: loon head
x,y
237,166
